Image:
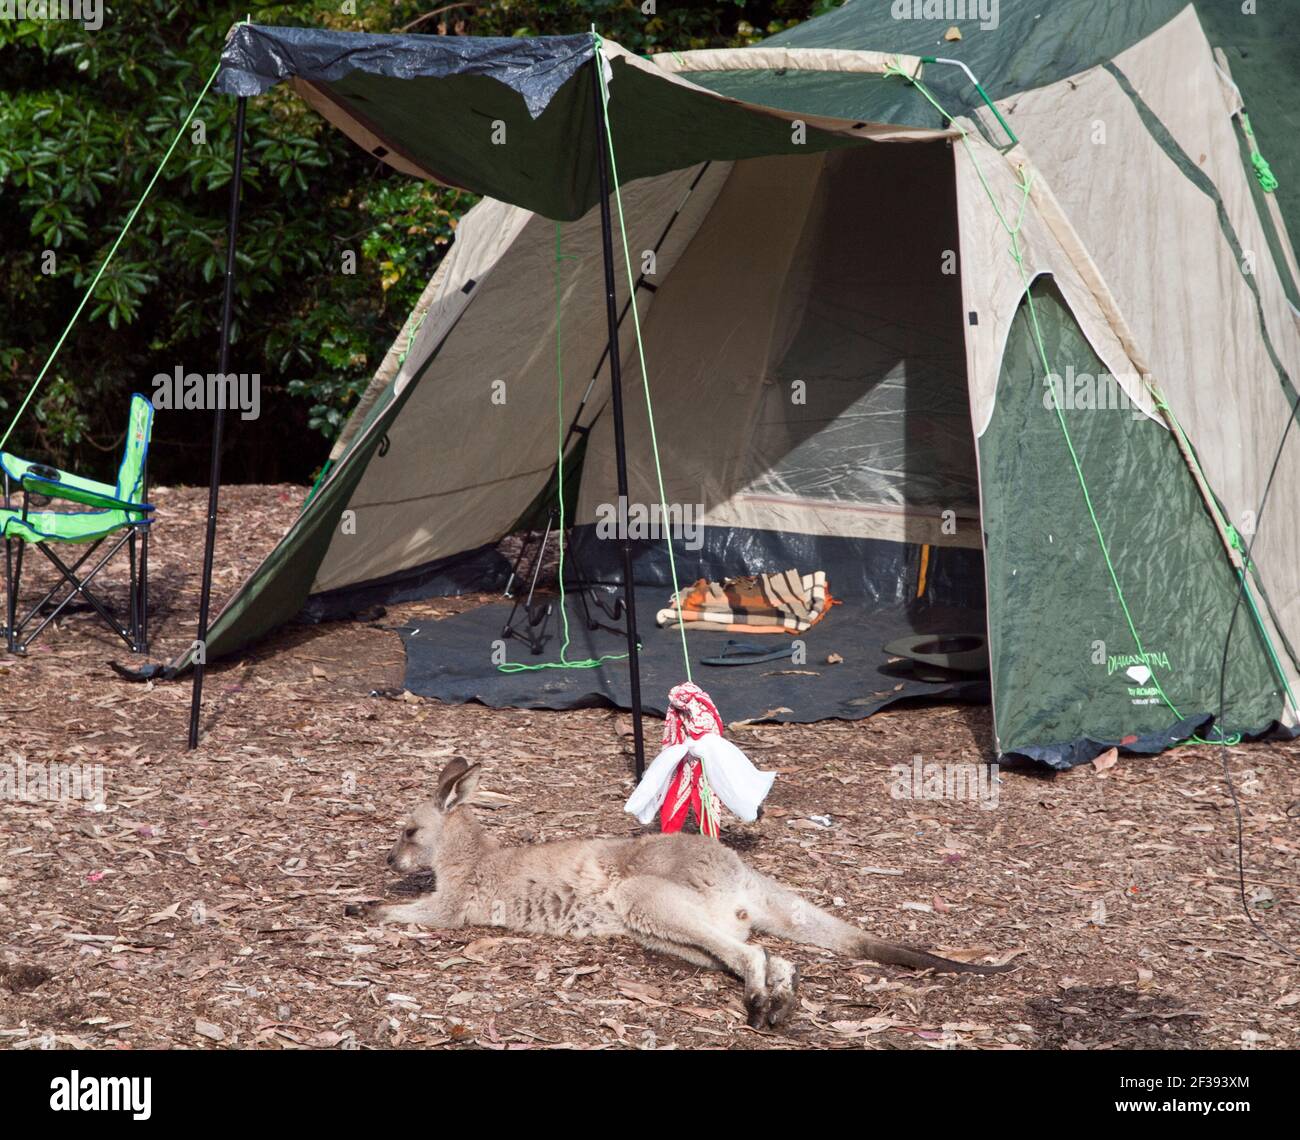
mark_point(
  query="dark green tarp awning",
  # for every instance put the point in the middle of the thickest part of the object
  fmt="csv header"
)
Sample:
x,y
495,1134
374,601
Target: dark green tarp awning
x,y
513,119
432,101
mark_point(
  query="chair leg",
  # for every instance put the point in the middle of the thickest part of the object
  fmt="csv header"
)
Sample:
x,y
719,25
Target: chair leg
x,y
133,597
11,598
144,591
21,551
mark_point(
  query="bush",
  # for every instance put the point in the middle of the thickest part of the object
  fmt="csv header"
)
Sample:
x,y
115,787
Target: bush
x,y
85,118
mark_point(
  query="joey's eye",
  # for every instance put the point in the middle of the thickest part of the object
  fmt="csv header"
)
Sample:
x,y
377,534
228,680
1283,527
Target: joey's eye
x,y
410,832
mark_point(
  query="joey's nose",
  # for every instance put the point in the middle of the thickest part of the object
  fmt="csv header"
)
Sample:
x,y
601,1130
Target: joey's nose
x,y
389,860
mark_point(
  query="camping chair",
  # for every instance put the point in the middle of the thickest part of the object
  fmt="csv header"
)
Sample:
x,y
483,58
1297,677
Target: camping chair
x,y
118,513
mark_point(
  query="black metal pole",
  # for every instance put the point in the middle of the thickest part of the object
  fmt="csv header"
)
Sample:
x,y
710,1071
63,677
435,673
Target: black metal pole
x,y
616,400
218,422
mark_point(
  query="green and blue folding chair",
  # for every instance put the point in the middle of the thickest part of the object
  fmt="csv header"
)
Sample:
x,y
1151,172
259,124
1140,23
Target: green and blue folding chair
x,y
118,515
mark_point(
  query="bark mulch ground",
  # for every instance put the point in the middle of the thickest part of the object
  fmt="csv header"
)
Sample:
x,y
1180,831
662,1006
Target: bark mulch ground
x,y
203,905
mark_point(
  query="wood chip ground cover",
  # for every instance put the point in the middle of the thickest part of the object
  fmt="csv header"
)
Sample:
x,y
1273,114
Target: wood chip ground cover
x,y
203,907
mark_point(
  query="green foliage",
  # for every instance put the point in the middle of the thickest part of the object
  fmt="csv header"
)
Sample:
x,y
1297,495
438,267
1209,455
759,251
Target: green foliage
x,y
407,227
85,118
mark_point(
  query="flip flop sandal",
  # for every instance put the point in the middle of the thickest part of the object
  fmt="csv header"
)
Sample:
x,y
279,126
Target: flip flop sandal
x,y
737,653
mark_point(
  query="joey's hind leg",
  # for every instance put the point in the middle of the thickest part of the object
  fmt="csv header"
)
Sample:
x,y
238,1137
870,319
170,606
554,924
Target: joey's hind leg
x,y
660,911
689,954
782,979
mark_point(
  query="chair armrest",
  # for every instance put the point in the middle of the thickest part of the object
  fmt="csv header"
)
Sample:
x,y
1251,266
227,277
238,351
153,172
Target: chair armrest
x,y
15,468
79,493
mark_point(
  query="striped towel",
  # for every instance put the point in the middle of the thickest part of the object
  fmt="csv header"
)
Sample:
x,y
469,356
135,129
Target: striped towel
x,y
789,602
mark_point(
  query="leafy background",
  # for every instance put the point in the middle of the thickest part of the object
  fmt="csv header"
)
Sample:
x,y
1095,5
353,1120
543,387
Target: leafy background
x,y
85,117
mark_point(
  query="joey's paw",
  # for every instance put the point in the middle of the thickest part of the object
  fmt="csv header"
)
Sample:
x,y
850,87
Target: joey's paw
x,y
360,910
756,1009
783,991
758,996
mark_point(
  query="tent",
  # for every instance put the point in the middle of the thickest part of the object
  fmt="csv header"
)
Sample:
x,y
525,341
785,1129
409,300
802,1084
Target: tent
x,y
1001,331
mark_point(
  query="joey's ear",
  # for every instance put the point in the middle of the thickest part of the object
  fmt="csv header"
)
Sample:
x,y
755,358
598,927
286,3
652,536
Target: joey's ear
x,y
455,788
447,778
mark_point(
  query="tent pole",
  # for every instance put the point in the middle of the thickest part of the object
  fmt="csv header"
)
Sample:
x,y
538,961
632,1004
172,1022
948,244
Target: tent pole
x,y
616,401
218,422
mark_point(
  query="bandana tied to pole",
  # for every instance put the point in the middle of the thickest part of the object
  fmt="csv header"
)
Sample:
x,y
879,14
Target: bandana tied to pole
x,y
697,769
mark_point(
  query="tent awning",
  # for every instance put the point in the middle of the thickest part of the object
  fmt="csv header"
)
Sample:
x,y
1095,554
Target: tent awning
x,y
514,119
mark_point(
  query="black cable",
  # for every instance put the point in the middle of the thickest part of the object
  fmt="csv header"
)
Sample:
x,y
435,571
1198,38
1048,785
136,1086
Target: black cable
x,y
1223,683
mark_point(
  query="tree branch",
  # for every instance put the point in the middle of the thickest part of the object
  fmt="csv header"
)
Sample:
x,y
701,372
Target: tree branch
x,y
439,12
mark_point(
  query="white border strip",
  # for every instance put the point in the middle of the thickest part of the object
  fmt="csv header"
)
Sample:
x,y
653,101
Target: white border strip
x,y
784,59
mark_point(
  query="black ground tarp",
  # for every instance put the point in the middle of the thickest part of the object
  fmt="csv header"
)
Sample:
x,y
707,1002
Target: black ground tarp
x,y
451,660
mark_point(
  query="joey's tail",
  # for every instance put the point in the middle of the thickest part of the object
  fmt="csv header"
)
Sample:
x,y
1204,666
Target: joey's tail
x,y
895,955
785,914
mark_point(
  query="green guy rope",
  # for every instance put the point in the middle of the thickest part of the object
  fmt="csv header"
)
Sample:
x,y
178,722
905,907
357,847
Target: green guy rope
x,y
1234,539
91,288
1263,172
563,662
640,349
410,341
316,485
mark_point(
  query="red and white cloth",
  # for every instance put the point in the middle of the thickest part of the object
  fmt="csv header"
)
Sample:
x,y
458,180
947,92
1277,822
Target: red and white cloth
x,y
696,769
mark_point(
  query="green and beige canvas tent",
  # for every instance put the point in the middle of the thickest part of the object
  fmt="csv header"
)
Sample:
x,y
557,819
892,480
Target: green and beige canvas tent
x,y
1001,329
